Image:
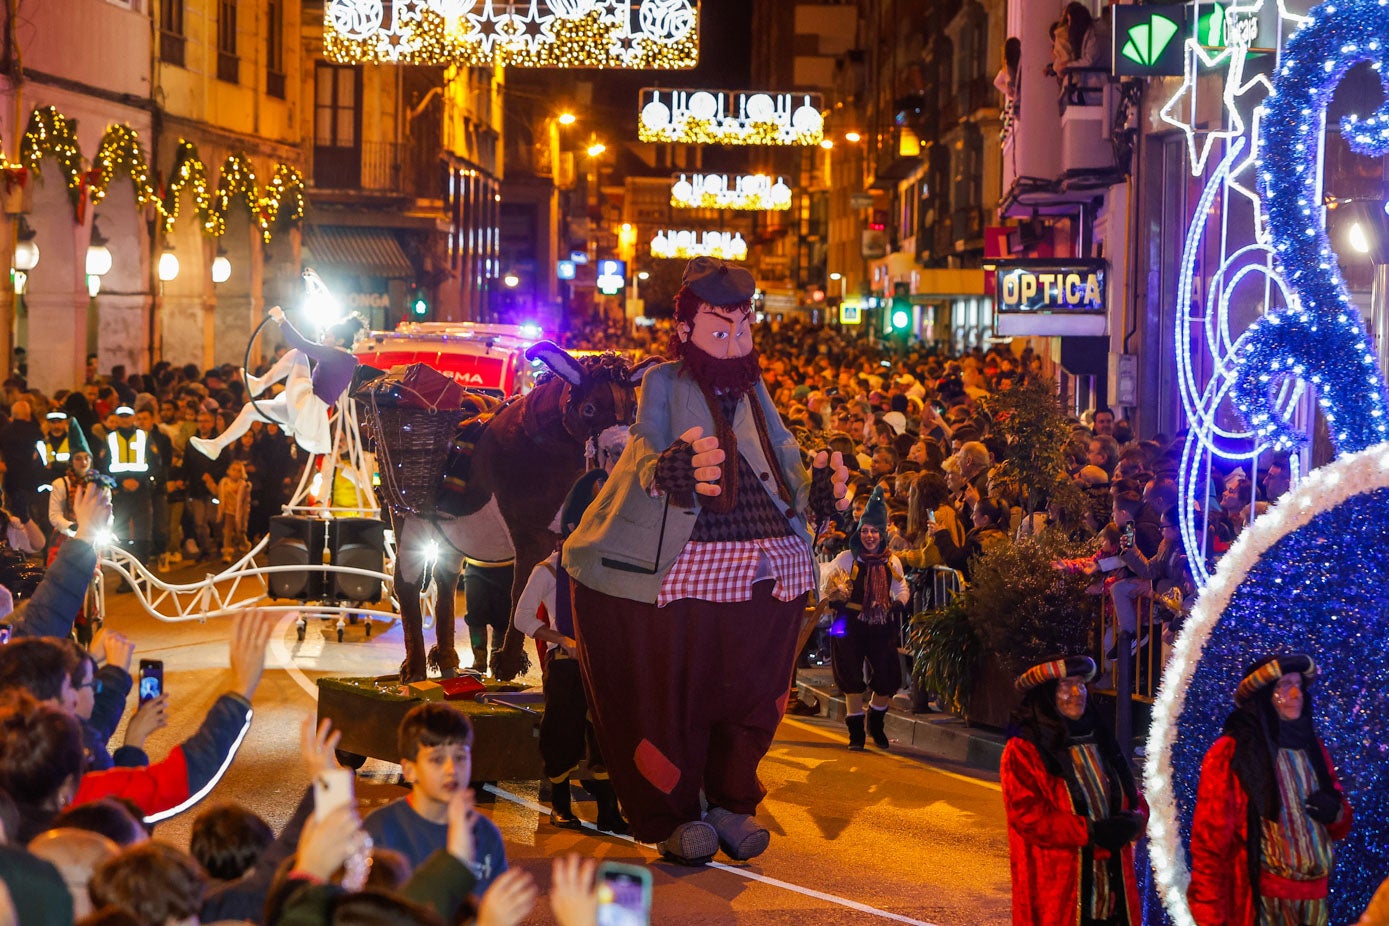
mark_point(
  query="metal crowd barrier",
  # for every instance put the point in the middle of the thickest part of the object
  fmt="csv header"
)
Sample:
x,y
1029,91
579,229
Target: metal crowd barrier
x,y
1149,653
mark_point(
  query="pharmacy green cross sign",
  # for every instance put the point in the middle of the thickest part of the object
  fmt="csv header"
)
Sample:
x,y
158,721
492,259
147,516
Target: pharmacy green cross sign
x,y
1149,39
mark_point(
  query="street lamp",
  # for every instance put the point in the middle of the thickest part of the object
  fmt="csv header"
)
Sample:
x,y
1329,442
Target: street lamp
x,y
168,264
596,148
98,254
221,267
567,118
26,252
511,280
852,137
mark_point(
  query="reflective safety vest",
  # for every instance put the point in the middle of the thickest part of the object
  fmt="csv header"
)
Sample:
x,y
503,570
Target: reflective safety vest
x,y
128,456
50,456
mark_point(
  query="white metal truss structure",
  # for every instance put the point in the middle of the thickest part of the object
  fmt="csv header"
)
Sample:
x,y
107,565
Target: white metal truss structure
x,y
243,585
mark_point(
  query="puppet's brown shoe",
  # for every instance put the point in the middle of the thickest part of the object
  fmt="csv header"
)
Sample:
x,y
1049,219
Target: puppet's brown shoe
x,y
692,843
740,835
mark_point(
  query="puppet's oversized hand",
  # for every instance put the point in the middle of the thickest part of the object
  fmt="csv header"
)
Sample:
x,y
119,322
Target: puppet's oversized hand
x,y
692,465
829,484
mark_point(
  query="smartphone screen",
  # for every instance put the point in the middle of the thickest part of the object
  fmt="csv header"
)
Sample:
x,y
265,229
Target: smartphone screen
x,y
4,632
151,679
332,788
624,895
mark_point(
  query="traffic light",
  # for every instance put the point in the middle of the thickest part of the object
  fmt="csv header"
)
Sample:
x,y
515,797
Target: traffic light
x,y
899,315
419,304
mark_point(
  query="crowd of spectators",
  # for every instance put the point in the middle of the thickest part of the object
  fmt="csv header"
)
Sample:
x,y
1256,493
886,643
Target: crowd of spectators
x,y
77,809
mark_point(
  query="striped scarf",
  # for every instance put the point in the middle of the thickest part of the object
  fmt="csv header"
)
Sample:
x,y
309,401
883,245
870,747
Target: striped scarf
x,y
1090,774
874,577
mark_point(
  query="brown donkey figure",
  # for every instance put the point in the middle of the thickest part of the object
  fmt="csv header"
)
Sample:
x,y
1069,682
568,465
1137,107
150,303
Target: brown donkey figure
x,y
522,466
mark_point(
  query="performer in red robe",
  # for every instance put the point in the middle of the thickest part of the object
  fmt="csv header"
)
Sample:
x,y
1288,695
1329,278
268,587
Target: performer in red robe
x,y
1073,810
1269,807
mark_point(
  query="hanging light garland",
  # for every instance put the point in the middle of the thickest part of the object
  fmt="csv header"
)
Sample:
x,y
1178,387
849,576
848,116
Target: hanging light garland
x,y
747,192
663,34
730,117
189,171
120,155
51,135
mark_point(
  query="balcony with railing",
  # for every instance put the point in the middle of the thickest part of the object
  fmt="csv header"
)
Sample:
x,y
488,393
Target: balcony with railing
x,y
413,170
1058,155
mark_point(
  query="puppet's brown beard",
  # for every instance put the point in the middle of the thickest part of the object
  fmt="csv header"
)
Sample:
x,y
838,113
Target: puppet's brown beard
x,y
735,375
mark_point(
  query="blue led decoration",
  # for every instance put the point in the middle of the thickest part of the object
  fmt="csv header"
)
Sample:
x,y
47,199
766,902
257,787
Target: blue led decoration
x,y
1320,338
1318,590
1308,575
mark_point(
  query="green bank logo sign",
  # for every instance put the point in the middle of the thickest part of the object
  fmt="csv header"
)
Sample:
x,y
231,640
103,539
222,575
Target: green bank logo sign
x,y
1146,41
1150,40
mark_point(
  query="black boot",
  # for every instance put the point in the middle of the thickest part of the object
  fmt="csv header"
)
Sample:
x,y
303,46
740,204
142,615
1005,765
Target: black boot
x,y
876,720
477,639
856,735
610,818
561,814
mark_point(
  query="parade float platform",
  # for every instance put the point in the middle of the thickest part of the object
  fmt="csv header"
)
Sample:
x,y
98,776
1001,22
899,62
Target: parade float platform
x,y
367,712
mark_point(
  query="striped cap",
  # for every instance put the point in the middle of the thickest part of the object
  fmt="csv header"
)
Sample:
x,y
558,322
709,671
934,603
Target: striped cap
x,y
1054,669
1270,670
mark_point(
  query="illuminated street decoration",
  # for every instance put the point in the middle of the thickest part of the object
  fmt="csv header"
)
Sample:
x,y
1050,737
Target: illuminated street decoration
x,y
751,192
686,244
516,33
1247,390
52,136
730,117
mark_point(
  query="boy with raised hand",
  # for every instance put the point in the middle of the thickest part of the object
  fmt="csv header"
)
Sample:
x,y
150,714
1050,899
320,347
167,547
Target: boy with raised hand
x,y
435,744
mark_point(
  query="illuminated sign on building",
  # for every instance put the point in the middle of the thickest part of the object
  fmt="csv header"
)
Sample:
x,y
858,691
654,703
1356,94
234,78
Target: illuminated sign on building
x,y
485,33
686,244
1050,297
850,313
730,117
612,276
751,192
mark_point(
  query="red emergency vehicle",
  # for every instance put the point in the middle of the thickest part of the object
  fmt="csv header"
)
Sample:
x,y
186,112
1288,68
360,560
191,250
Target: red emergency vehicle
x,y
487,357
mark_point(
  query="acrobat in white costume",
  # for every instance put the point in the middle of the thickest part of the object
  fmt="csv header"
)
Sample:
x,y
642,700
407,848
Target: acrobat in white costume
x,y
302,408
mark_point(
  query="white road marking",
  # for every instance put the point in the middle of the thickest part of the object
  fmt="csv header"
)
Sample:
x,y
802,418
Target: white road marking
x,y
741,872
286,659
287,662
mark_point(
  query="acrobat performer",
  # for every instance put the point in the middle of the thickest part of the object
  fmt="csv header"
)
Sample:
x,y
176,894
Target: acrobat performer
x,y
302,408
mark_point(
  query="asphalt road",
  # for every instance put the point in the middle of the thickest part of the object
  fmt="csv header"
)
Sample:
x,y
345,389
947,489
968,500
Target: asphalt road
x,y
858,837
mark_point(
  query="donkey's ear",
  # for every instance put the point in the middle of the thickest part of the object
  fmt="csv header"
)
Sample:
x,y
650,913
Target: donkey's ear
x,y
558,360
641,369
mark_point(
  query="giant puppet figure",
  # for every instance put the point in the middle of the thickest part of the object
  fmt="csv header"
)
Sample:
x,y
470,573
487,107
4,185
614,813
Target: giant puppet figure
x,y
691,573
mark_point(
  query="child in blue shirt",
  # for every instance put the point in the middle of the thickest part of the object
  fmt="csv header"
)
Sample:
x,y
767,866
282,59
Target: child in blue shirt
x,y
436,758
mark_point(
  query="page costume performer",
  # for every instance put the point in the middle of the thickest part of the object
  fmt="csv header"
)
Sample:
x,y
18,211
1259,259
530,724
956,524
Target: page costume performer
x,y
302,408
1269,807
1073,810
866,582
691,573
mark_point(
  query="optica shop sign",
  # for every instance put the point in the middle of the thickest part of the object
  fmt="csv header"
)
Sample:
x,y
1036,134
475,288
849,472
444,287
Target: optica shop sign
x,y
1051,297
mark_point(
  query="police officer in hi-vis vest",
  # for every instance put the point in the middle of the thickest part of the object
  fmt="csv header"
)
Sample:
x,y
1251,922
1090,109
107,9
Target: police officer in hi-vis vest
x,y
130,459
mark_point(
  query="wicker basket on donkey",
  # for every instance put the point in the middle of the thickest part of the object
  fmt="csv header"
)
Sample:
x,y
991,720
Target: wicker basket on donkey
x,y
413,413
